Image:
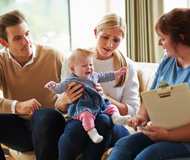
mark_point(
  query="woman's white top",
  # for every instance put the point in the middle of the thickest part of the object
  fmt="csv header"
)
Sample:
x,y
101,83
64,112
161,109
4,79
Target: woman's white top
x,y
129,92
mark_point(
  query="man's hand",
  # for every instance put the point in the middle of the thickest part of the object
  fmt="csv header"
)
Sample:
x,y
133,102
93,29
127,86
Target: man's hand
x,y
28,107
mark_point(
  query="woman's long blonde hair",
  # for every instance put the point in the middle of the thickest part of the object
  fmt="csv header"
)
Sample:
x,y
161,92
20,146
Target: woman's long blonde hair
x,y
113,20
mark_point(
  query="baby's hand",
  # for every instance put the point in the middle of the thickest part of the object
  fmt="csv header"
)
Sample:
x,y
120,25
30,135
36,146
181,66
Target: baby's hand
x,y
120,72
50,84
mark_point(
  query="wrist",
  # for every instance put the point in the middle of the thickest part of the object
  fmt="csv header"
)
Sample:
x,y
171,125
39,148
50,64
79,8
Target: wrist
x,y
60,105
116,74
105,96
17,107
168,136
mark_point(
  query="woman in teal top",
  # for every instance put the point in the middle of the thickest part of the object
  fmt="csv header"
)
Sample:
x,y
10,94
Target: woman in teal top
x,y
173,29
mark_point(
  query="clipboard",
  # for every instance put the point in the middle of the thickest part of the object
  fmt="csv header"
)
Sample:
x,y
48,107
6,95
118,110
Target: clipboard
x,y
169,106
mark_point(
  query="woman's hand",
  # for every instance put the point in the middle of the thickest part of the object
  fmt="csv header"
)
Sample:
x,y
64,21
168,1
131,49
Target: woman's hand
x,y
137,121
157,134
69,96
100,90
123,109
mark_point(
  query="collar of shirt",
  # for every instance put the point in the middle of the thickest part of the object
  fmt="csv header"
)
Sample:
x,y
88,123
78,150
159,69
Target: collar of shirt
x,y
29,62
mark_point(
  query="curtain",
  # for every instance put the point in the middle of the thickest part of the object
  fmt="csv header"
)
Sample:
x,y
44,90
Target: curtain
x,y
141,39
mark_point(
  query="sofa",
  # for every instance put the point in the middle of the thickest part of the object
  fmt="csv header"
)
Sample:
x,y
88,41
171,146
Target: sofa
x,y
145,73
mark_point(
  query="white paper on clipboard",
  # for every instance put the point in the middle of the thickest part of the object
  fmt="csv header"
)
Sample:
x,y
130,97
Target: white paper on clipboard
x,y
169,106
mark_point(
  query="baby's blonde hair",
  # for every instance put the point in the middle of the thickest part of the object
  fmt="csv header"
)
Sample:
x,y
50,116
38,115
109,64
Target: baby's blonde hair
x,y
77,52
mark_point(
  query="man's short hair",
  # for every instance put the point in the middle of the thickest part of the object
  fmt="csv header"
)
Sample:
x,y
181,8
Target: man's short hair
x,y
11,18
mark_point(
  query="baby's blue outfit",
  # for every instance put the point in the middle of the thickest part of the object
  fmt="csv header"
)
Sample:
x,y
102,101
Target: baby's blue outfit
x,y
94,102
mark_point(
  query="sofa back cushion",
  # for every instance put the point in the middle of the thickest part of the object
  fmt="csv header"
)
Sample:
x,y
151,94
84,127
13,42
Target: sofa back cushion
x,y
146,72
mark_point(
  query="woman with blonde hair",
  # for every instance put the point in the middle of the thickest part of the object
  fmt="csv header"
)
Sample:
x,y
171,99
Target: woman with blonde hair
x,y
123,93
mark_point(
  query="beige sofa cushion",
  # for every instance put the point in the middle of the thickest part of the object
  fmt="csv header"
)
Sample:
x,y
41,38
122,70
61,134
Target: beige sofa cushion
x,y
146,72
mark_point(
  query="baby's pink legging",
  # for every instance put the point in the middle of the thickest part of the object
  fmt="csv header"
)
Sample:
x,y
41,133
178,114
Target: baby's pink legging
x,y
88,118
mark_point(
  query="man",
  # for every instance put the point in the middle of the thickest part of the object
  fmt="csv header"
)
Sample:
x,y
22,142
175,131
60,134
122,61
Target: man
x,y
28,120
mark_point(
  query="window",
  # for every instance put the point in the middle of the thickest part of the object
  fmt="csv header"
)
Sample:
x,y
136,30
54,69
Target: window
x,y
84,18
171,4
48,20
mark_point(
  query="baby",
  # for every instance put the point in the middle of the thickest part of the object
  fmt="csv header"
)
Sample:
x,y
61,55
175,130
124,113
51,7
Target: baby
x,y
86,108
